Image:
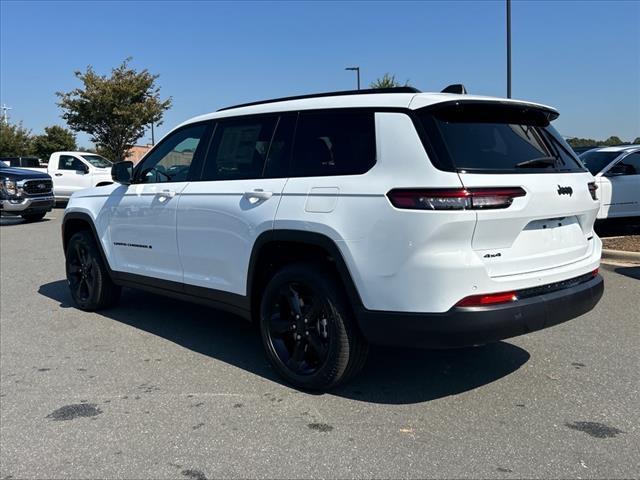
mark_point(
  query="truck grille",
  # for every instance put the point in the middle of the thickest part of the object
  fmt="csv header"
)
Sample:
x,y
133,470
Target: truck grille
x,y
38,187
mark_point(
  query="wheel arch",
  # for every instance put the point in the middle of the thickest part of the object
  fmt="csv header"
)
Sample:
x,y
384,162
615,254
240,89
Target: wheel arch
x,y
74,222
276,248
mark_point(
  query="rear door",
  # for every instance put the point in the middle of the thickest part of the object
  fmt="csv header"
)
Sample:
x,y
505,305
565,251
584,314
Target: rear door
x,y
498,145
234,200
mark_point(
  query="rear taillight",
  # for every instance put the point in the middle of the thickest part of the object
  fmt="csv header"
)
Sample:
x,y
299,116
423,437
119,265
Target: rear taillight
x,y
454,199
592,190
489,299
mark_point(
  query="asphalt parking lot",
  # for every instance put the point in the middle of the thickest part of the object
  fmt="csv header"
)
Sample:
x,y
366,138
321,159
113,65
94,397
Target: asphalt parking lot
x,y
157,388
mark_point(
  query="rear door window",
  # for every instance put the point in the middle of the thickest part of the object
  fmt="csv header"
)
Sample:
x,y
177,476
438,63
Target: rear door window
x,y
334,143
495,138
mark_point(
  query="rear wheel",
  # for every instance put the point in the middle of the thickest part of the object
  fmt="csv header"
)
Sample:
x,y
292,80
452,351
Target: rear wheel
x,y
87,275
34,217
308,329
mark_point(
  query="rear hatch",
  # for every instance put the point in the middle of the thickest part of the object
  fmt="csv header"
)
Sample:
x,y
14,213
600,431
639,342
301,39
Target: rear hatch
x,y
548,222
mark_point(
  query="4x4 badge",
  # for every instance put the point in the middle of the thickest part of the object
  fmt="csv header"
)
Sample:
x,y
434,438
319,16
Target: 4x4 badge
x,y
565,190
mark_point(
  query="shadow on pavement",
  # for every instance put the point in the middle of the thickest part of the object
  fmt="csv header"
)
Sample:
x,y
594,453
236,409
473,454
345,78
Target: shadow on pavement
x,y
13,221
391,376
632,272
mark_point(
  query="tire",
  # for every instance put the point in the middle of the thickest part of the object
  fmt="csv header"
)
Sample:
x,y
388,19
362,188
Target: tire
x,y
88,278
34,217
326,350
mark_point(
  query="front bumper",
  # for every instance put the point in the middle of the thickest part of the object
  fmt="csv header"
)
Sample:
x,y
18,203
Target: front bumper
x,y
27,205
460,327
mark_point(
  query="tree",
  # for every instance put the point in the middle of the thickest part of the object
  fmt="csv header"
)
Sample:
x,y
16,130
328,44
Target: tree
x,y
15,140
54,139
114,110
613,140
387,81
636,141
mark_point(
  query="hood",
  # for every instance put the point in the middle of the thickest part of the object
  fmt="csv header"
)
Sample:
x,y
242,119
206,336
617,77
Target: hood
x,y
21,173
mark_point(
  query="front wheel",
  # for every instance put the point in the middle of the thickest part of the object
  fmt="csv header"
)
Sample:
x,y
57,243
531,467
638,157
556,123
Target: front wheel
x,y
33,217
87,275
308,329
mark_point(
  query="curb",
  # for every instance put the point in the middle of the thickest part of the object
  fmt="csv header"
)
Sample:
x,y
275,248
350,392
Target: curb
x,y
621,256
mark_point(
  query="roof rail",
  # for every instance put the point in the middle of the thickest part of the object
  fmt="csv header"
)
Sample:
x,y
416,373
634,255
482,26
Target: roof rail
x,y
366,91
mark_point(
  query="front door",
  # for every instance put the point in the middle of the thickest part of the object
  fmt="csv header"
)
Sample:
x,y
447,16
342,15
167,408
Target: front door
x,y
142,226
236,199
71,175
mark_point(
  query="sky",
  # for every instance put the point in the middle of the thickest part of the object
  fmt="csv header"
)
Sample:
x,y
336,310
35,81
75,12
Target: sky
x,y
582,57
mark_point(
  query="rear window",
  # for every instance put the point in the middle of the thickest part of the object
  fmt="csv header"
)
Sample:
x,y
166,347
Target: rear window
x,y
596,161
495,138
334,143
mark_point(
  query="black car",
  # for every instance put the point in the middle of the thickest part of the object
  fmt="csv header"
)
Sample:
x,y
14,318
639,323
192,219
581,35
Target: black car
x,y
24,162
25,193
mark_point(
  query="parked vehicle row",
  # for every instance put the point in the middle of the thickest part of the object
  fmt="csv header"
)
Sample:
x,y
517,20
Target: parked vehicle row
x,y
25,193
617,172
338,220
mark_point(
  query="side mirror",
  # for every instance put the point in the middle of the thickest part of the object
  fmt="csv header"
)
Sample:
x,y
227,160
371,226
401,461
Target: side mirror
x,y
122,172
83,169
620,169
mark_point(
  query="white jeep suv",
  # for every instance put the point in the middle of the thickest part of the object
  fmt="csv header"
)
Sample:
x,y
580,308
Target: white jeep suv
x,y
338,220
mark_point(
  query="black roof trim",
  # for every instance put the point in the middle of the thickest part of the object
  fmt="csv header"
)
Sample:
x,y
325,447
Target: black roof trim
x,y
328,94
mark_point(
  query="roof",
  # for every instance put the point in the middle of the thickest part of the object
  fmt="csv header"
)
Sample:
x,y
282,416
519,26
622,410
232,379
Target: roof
x,y
402,99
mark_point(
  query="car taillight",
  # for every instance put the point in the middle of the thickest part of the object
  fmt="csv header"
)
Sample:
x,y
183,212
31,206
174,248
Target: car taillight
x,y
592,190
454,199
489,299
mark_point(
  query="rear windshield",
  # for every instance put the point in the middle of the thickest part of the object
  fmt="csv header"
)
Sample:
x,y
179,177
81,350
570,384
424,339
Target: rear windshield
x,y
495,138
596,161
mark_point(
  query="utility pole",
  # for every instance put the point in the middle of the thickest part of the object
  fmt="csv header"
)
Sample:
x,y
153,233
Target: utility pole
x,y
5,113
508,48
153,140
357,70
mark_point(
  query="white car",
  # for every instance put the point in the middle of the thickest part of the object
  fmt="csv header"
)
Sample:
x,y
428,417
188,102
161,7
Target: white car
x,y
617,171
338,220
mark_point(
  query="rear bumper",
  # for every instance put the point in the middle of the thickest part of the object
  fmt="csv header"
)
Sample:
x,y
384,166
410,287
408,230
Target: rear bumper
x,y
461,327
27,205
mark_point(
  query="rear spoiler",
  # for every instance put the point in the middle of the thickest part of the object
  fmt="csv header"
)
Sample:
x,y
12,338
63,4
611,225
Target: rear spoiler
x,y
484,110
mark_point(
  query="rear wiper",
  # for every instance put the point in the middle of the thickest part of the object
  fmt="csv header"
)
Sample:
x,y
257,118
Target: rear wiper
x,y
538,162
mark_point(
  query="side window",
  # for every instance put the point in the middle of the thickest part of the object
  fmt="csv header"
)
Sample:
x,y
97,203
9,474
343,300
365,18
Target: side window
x,y
630,165
334,143
67,162
171,160
239,149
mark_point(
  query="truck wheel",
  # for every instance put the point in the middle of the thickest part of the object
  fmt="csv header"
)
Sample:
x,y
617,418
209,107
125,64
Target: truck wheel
x,y
87,275
34,217
308,329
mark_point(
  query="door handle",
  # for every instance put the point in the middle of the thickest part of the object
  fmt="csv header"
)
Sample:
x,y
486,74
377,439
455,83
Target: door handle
x,y
58,174
166,193
257,195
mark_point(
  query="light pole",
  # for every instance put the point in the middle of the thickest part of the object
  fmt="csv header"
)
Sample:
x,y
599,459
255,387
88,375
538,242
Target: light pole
x,y
508,48
357,70
153,141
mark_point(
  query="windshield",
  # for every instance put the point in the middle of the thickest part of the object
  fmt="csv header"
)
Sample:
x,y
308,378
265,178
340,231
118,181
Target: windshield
x,y
97,161
595,161
496,138
3,163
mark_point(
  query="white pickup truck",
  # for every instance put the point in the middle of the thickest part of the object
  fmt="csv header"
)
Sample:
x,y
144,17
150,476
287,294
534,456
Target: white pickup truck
x,y
73,171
